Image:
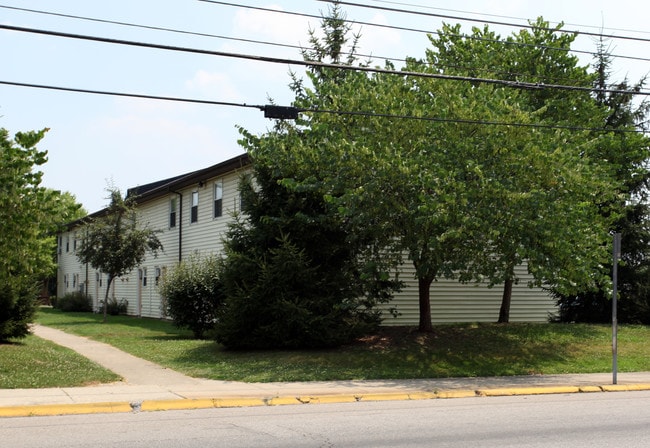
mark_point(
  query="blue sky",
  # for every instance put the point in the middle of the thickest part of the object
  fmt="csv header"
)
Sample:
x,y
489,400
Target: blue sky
x,y
95,141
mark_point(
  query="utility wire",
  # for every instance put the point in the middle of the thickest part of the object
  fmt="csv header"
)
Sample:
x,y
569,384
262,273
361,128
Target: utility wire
x,y
502,16
493,22
131,95
276,44
148,27
306,63
301,48
418,30
265,108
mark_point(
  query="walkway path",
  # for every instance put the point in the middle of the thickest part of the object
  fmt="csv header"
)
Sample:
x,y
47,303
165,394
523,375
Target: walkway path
x,y
133,370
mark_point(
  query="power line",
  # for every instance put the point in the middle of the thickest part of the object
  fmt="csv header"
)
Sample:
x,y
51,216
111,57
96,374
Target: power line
x,y
421,31
286,45
131,95
283,45
307,63
148,27
273,111
493,22
502,16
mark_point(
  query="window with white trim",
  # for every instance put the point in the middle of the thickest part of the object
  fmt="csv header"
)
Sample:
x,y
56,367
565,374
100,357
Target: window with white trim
x,y
173,202
194,211
218,199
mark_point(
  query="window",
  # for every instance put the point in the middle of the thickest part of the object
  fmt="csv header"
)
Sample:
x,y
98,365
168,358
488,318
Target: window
x,y
194,212
218,199
172,212
74,243
67,243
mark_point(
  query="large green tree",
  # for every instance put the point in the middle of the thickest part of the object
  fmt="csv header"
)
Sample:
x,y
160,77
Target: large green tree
x,y
417,164
115,243
549,181
30,215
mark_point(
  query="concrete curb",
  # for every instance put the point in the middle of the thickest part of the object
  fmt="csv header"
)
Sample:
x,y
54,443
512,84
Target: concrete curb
x,y
208,403
65,409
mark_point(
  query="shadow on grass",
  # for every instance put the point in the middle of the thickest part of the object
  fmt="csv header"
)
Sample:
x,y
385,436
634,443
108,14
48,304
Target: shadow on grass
x,y
497,350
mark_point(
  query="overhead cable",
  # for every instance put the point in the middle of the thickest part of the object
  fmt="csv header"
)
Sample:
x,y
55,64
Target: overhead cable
x,y
418,30
299,47
281,112
148,27
600,27
307,63
492,22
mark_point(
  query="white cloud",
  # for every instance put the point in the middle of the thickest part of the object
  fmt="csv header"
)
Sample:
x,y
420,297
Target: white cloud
x,y
282,28
214,84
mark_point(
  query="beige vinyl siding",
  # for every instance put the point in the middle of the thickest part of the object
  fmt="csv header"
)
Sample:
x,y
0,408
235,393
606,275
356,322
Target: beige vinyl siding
x,y
205,235
69,266
452,301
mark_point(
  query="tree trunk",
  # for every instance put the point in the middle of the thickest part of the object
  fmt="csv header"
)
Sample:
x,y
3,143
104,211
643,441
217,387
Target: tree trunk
x,y
506,299
108,288
424,293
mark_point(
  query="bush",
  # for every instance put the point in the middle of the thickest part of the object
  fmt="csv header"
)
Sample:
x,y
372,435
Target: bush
x,y
192,293
18,305
115,307
75,302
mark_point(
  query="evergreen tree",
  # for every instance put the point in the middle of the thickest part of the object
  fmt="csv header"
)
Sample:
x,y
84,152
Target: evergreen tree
x,y
628,153
291,278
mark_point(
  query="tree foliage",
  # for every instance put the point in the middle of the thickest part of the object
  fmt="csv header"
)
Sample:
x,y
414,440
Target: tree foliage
x,y
30,214
463,196
628,154
551,184
114,243
291,277
295,275
193,292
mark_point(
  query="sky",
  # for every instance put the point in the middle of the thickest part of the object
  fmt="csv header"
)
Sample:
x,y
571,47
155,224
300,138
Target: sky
x,y
96,142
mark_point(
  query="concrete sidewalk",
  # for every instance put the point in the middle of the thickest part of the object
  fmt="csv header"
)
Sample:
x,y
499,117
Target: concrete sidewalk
x,y
147,386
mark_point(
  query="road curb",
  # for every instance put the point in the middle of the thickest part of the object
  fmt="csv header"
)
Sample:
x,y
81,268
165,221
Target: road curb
x,y
65,409
238,402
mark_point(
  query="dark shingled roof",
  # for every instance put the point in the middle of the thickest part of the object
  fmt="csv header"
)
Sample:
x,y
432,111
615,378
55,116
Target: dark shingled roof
x,y
153,190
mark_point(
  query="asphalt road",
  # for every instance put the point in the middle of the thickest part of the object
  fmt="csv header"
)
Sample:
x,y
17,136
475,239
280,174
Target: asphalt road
x,y
575,420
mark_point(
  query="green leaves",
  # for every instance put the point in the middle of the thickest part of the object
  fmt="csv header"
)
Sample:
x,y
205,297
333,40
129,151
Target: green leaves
x,y
26,223
114,243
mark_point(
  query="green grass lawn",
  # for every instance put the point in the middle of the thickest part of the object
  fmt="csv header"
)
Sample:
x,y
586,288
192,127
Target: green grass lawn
x,y
35,363
393,353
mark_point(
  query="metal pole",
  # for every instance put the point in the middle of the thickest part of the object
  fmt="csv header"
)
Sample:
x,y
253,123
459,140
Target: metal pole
x,y
616,254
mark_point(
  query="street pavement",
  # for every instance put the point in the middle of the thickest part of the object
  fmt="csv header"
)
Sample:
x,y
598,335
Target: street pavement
x,y
146,386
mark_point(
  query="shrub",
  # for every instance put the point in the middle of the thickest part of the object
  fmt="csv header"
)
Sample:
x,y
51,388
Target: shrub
x,y
74,302
18,305
116,307
192,293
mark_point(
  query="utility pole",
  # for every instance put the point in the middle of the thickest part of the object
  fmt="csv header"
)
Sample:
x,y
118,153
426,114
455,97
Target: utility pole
x,y
616,254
